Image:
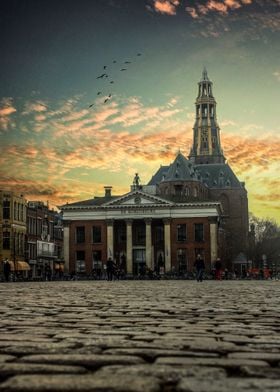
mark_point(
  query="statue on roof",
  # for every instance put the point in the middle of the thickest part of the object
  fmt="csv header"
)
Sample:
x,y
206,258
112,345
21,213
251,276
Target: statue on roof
x,y
136,181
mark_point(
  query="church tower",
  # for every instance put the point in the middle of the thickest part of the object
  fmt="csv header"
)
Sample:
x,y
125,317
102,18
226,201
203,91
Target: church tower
x,y
206,132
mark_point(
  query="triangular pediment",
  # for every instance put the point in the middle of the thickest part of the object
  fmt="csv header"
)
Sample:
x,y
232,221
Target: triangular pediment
x,y
138,198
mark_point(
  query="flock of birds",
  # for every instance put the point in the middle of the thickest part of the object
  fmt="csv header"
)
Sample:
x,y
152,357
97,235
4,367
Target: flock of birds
x,y
104,76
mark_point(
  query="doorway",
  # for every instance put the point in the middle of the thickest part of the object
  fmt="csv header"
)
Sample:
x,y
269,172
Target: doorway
x,y
139,261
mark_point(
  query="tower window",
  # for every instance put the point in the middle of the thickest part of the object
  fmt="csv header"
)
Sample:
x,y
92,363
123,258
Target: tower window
x,y
6,209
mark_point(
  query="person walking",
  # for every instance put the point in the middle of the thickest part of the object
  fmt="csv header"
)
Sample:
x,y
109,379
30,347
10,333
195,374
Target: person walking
x,y
200,267
110,269
218,269
7,270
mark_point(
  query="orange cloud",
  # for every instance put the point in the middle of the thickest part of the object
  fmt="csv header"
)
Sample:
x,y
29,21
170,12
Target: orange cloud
x,y
220,6
6,110
166,6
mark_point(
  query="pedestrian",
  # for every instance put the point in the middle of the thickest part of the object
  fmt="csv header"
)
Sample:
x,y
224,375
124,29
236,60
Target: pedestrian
x,y
7,270
218,269
110,269
200,267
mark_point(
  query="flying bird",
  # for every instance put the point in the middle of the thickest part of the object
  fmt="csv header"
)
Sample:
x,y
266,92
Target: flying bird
x,y
102,76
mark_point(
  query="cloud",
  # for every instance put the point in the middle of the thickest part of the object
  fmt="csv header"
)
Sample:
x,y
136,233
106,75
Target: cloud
x,y
219,6
37,107
6,110
165,6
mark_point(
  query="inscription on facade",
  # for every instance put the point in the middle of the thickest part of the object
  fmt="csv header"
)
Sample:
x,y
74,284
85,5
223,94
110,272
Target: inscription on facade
x,y
138,211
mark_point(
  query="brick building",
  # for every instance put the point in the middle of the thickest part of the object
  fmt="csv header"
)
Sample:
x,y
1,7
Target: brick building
x,y
44,240
13,231
194,205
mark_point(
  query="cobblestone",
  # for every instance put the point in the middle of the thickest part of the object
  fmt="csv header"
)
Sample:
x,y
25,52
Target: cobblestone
x,y
130,336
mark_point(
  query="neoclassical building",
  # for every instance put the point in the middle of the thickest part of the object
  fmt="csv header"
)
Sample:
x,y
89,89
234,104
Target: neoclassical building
x,y
195,205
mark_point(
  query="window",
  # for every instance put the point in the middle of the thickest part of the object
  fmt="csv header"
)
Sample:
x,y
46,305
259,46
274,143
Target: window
x,y
159,234
96,259
80,234
6,240
80,261
198,232
96,234
182,261
181,233
139,231
178,189
6,209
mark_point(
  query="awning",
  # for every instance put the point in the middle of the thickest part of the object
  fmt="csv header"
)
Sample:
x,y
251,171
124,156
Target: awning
x,y
20,266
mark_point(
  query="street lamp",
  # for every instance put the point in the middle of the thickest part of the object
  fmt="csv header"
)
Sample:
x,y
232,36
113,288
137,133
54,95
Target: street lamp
x,y
14,252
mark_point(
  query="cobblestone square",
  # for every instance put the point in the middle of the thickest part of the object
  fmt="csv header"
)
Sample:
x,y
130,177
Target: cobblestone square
x,y
169,336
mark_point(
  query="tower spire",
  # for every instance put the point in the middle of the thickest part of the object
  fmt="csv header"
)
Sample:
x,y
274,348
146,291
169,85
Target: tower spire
x,y
204,74
206,132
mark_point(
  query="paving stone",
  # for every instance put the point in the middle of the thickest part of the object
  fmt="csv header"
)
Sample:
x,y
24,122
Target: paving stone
x,y
8,369
223,362
151,353
228,385
168,374
92,361
57,383
255,371
6,358
269,357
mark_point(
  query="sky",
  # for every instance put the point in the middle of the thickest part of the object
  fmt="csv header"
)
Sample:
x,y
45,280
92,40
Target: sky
x,y
61,142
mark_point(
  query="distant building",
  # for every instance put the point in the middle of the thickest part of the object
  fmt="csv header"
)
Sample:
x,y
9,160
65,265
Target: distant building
x,y
44,241
13,231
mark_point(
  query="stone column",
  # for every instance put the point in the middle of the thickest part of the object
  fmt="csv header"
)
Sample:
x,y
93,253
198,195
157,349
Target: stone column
x,y
66,245
110,239
167,245
129,246
148,243
213,240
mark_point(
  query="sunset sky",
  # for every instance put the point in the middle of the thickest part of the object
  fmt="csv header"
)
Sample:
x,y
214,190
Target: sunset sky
x,y
54,147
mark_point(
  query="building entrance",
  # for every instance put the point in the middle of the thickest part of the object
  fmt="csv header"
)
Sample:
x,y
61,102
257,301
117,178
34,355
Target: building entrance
x,y
139,261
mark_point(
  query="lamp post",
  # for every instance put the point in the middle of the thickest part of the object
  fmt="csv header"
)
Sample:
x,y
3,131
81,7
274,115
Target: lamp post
x,y
14,253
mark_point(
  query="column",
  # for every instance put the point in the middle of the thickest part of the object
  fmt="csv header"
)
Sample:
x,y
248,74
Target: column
x,y
110,238
129,246
148,243
213,240
167,244
66,245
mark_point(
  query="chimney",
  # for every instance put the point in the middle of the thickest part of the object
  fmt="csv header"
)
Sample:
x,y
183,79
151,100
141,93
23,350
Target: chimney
x,y
107,191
